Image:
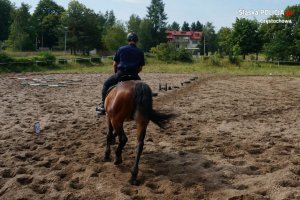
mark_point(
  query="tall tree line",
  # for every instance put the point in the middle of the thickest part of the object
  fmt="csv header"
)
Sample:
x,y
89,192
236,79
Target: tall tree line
x,y
279,40
50,25
83,29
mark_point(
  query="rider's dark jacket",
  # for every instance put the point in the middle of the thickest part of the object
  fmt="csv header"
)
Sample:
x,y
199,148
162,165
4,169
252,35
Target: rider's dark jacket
x,y
129,58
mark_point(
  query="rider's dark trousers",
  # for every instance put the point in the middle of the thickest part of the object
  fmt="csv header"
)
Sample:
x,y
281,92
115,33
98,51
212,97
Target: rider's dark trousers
x,y
115,78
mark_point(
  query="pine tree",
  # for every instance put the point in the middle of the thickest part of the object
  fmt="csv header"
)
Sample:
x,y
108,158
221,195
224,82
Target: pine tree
x,y
157,16
20,30
5,18
185,26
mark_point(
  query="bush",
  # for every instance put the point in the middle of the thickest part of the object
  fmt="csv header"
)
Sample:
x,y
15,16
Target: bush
x,y
205,58
23,62
47,56
62,61
252,57
256,64
96,59
149,55
83,60
4,58
184,55
215,59
168,52
235,60
164,52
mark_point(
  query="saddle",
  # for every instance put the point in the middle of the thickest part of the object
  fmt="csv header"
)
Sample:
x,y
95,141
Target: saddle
x,y
121,79
127,77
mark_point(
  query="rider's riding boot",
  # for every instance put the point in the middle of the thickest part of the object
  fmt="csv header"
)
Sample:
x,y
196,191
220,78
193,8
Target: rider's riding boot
x,y
100,109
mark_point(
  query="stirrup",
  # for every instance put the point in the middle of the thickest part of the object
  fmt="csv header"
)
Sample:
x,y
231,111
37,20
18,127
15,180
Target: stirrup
x,y
100,110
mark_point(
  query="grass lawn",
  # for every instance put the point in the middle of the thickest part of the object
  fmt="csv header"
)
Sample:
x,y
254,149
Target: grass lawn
x,y
153,65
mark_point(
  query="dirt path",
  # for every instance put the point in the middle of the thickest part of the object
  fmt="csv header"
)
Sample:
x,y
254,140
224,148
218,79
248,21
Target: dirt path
x,y
234,138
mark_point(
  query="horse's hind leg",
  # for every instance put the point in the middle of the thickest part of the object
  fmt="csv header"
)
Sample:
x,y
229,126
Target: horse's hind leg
x,y
122,142
141,131
110,138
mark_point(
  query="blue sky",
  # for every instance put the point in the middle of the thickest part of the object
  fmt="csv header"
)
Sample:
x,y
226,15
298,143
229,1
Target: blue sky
x,y
219,12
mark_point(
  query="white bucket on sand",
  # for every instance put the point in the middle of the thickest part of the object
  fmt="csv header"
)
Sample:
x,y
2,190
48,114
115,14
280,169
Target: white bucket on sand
x,y
37,127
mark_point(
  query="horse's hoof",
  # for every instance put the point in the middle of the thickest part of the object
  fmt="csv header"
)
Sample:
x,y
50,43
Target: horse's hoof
x,y
106,159
112,141
134,182
118,161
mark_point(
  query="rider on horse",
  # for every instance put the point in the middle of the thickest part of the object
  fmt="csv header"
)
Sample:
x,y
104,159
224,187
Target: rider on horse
x,y
128,62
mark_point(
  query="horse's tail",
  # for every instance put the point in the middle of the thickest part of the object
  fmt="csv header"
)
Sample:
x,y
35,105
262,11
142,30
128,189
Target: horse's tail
x,y
143,101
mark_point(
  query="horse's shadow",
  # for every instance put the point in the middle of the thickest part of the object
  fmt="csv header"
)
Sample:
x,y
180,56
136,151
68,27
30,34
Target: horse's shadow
x,y
185,168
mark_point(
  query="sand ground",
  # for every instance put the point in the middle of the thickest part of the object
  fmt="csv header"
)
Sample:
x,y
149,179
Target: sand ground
x,y
234,138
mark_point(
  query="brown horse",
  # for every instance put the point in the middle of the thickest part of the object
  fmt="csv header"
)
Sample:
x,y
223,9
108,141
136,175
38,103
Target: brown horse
x,y
130,100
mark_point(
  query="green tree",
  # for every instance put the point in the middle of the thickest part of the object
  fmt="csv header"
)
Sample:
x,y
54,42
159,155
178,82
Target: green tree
x,y
281,41
145,35
73,19
295,30
245,34
224,40
156,14
197,26
185,26
133,24
296,46
104,22
115,37
5,18
1,46
110,18
21,29
279,48
295,15
90,36
84,32
210,39
47,22
267,31
174,27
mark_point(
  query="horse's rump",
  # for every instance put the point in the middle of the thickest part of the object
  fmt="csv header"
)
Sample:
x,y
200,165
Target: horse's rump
x,y
120,100
130,99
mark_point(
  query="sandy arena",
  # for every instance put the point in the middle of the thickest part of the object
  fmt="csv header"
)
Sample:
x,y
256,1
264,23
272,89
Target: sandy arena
x,y
235,138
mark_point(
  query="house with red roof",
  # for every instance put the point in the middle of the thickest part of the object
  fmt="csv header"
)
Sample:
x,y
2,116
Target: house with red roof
x,y
185,39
